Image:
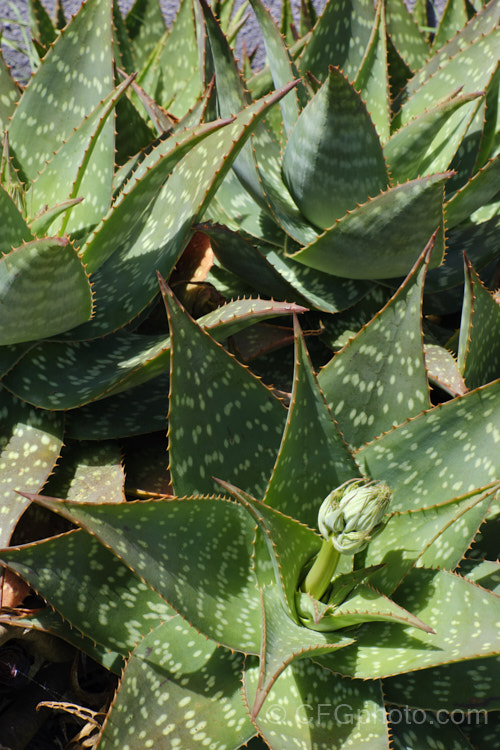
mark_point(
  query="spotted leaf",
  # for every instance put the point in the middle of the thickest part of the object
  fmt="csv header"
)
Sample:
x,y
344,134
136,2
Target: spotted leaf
x,y
30,443
195,552
90,588
467,457
354,396
238,412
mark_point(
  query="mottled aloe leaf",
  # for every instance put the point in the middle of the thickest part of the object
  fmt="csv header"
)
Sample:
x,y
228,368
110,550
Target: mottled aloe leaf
x,y
365,604
279,201
428,142
184,549
14,227
311,705
75,76
279,63
412,728
414,535
442,600
234,207
284,642
290,544
90,588
139,193
145,24
479,242
478,192
479,25
383,237
178,63
452,21
272,273
125,284
30,443
468,686
470,70
360,385
41,223
479,344
83,167
89,473
372,80
231,97
340,37
339,329
44,290
466,459
9,94
122,46
65,375
333,159
313,458
442,370
238,412
186,697
135,411
405,35
486,573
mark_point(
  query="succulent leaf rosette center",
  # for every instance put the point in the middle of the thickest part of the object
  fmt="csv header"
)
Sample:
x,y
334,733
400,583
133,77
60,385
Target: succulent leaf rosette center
x,y
349,517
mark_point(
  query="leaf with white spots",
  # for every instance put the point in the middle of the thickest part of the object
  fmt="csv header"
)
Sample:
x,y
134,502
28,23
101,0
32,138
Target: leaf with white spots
x,y
9,95
145,24
372,80
442,600
378,379
486,573
464,686
313,458
412,729
442,370
65,375
311,708
429,141
333,159
470,70
446,452
284,641
14,227
405,35
195,552
180,690
136,411
479,343
82,167
44,290
416,535
77,73
240,431
364,604
90,588
478,241
88,473
340,37
279,62
134,249
478,192
384,237
479,25
30,443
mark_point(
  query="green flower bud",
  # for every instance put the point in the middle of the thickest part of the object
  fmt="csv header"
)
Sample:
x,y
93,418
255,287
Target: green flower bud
x,y
353,514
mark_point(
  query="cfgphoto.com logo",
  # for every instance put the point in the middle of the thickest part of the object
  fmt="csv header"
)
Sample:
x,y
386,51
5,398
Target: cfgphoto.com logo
x,y
343,714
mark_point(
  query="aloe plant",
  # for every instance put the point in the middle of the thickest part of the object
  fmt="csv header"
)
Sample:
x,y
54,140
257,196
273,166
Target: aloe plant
x,y
186,554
